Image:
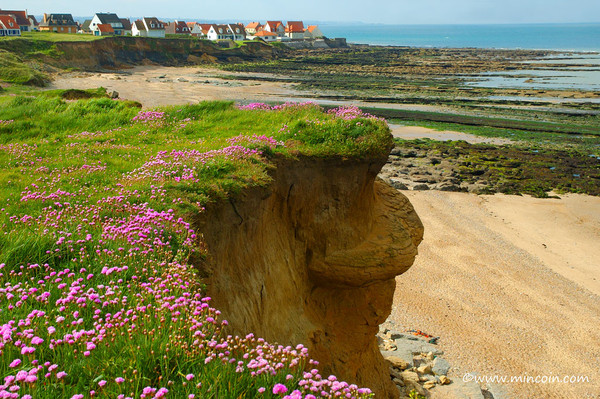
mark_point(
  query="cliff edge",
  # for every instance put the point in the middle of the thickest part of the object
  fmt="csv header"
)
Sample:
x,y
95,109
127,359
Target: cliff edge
x,y
312,259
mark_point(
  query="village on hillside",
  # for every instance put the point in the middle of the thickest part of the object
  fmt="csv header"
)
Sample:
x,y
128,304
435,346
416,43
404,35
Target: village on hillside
x,y
13,22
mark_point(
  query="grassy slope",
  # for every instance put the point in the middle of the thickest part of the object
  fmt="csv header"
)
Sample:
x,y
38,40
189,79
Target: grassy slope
x,y
94,207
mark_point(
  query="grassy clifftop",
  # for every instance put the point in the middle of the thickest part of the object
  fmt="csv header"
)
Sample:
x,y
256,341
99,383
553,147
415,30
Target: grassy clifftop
x,y
98,295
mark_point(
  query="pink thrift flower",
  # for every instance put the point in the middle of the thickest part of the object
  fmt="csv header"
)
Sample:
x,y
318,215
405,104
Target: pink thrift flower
x,y
189,377
15,363
102,383
27,350
261,390
37,340
119,380
61,374
279,388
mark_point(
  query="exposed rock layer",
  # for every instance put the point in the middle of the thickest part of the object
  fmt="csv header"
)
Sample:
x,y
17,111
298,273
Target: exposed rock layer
x,y
311,259
125,51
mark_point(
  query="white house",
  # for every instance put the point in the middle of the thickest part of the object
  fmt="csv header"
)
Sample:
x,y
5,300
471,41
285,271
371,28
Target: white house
x,y
106,19
275,27
229,31
313,32
199,30
148,27
9,26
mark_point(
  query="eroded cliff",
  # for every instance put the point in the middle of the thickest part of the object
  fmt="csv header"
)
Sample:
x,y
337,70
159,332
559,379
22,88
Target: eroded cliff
x,y
311,259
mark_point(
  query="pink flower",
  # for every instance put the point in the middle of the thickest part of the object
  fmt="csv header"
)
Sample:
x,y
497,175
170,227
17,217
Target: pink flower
x,y
102,383
61,374
119,380
27,350
261,390
189,377
77,396
37,340
15,363
279,388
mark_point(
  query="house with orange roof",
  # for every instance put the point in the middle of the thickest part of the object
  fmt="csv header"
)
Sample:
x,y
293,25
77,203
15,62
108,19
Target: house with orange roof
x,y
9,26
20,17
295,30
264,35
313,32
253,27
104,30
275,27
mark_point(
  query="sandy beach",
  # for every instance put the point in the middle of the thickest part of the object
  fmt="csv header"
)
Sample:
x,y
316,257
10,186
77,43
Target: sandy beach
x,y
511,284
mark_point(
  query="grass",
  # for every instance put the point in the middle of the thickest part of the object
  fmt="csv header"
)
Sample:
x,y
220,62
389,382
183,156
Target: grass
x,y
14,70
97,292
54,37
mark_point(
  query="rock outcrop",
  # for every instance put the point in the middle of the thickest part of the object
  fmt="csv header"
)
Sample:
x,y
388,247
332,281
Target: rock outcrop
x,y
312,259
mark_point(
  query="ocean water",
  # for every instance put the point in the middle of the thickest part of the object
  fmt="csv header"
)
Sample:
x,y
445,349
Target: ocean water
x,y
576,37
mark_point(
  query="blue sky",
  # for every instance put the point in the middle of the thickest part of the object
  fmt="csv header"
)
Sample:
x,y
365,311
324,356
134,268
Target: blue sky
x,y
370,11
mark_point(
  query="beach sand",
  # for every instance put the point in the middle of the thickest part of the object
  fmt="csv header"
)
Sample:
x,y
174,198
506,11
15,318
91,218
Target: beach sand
x,y
512,286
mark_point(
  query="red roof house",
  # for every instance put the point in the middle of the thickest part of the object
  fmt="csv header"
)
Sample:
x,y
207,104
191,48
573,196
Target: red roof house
x,y
295,30
105,30
9,26
20,17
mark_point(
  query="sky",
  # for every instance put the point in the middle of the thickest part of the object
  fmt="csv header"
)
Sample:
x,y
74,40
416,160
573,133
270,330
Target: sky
x,y
368,11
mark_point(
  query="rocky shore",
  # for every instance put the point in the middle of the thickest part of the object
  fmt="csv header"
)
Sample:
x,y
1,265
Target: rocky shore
x,y
487,169
418,368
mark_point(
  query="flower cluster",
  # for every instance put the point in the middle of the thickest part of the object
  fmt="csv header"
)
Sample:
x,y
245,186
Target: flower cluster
x,y
4,123
181,165
148,116
266,107
350,113
255,141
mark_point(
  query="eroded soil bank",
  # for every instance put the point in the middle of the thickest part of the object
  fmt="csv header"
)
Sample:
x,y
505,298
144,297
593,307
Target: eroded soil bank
x,y
312,259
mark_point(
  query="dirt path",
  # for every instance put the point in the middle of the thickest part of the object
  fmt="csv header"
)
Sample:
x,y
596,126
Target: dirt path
x,y
512,285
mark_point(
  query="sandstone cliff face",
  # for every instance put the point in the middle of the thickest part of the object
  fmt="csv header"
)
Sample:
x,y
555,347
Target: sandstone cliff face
x,y
124,51
312,259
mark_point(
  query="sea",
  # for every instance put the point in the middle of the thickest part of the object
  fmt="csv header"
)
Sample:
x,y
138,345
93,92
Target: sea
x,y
564,37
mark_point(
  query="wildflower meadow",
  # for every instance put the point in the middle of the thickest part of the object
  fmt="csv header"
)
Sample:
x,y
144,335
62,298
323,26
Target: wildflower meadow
x,y
98,298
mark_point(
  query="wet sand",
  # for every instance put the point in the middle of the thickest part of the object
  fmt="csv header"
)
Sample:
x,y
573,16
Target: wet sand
x,y
417,132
